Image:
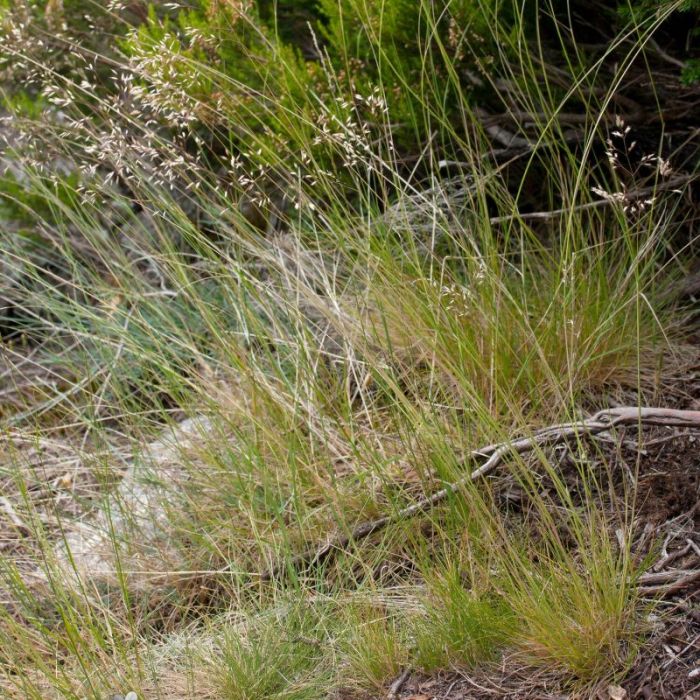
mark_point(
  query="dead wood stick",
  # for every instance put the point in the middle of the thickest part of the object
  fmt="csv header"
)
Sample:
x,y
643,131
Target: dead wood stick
x,y
9,509
678,585
677,554
667,57
632,195
494,454
666,576
398,684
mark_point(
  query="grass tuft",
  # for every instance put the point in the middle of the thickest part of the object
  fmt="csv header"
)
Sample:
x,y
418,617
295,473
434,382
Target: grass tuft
x,y
271,270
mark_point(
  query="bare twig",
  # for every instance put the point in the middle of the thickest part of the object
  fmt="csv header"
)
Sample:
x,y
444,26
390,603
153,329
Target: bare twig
x,y
667,57
396,686
9,509
678,585
662,440
494,454
666,576
498,133
677,656
665,561
640,546
630,196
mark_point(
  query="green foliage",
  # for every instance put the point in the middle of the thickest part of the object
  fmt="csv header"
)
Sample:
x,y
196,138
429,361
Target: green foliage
x,y
691,72
375,644
32,199
461,626
269,661
643,9
427,58
584,617
423,54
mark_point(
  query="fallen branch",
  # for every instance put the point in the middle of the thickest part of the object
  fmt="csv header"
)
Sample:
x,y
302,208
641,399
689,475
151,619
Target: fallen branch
x,y
494,454
678,585
17,522
396,686
669,558
667,57
667,576
631,196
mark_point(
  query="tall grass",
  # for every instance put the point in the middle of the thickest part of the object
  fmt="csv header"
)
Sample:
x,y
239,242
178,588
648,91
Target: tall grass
x,y
350,326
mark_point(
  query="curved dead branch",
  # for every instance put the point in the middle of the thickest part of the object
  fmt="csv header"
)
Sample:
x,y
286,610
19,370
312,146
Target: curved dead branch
x,y
494,454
